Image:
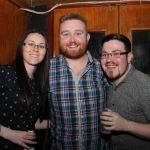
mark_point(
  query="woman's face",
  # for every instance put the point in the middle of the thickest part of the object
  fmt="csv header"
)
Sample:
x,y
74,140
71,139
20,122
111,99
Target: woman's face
x,y
34,49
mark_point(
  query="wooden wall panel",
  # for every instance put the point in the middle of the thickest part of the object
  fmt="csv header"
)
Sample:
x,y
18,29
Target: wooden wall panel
x,y
132,17
14,22
50,30
99,18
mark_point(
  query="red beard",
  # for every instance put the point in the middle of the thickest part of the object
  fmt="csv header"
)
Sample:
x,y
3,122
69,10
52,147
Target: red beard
x,y
73,50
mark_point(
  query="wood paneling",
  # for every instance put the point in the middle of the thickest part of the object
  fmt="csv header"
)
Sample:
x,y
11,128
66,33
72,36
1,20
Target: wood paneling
x,y
19,3
50,30
99,18
14,22
132,17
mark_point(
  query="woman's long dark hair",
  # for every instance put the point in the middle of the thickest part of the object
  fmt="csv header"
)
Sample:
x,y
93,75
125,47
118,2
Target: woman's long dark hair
x,y
41,73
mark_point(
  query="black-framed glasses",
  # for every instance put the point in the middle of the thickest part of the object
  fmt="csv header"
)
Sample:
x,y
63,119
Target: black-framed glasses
x,y
113,54
31,45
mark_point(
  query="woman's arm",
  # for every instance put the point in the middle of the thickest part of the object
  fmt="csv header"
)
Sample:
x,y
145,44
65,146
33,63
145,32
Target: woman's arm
x,y
18,137
42,125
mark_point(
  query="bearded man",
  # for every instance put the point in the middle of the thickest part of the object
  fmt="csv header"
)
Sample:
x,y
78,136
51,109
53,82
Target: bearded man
x,y
77,90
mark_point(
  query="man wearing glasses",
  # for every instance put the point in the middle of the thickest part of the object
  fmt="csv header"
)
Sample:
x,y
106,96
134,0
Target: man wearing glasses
x,y
128,115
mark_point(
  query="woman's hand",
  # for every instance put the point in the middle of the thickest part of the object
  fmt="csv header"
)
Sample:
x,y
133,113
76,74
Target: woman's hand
x,y
21,138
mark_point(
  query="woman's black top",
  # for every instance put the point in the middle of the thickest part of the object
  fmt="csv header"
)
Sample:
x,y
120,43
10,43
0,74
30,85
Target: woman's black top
x,y
13,114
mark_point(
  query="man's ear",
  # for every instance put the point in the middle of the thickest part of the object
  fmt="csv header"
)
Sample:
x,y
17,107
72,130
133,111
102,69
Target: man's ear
x,y
88,36
130,57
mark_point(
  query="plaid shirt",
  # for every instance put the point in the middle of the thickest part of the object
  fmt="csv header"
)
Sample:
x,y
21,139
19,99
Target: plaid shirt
x,y
75,108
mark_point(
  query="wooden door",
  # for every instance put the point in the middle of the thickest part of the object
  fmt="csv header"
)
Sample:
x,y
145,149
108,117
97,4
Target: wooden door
x,y
134,22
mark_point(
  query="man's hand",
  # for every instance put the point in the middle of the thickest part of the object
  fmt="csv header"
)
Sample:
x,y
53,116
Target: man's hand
x,y
113,121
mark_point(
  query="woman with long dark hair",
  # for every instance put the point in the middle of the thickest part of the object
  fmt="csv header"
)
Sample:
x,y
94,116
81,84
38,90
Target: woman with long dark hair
x,y
23,92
